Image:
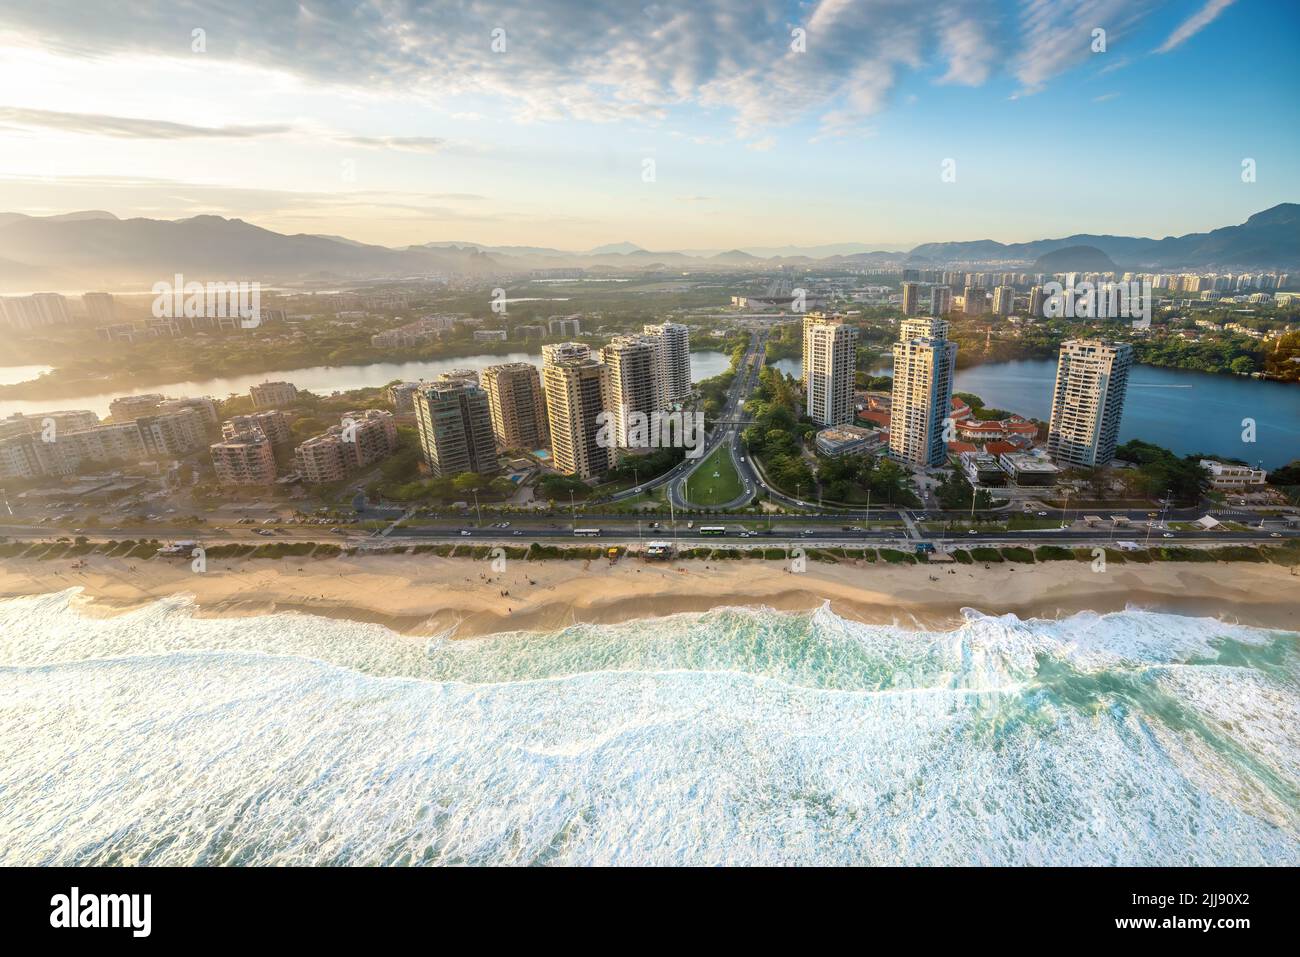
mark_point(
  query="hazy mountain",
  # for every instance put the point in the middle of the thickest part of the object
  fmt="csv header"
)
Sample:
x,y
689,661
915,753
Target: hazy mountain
x,y
1267,239
1074,259
98,251
623,247
95,248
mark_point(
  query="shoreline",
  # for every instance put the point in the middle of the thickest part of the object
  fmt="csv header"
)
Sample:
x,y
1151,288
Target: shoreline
x,y
463,598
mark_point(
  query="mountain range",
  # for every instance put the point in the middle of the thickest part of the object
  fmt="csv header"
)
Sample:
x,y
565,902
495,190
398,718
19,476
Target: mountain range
x,y
94,248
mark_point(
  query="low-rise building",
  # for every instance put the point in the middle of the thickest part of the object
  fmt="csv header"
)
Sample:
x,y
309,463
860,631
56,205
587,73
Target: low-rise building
x,y
1224,475
981,468
1029,468
848,440
270,395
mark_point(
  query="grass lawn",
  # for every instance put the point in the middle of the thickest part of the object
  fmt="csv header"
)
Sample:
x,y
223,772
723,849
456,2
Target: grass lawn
x,y
715,482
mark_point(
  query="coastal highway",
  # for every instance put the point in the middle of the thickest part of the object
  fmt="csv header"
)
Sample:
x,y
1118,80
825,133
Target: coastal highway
x,y
624,532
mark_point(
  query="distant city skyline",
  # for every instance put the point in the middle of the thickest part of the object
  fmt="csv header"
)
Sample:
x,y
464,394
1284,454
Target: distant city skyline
x,y
698,126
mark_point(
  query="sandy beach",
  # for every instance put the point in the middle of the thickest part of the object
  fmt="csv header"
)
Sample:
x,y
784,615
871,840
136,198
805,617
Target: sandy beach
x,y
424,594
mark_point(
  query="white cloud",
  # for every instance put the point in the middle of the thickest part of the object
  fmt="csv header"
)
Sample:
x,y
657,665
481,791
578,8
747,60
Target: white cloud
x,y
606,61
1194,24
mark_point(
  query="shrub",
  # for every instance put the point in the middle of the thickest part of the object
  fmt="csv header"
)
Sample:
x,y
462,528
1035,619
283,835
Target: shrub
x,y
1053,553
895,557
984,553
1018,553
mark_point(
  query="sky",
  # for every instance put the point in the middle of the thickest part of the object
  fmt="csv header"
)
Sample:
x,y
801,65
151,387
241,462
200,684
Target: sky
x,y
701,124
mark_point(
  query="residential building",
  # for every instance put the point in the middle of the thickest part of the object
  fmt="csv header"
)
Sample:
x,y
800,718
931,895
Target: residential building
x,y
1088,401
402,396
576,393
490,335
273,424
911,298
673,372
270,395
517,405
925,362
244,458
940,300
1004,300
633,388
830,359
361,439
99,307
455,425
563,351
564,325
132,406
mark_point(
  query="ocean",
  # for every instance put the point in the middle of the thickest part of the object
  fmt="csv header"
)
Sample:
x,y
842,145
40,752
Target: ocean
x,y
738,736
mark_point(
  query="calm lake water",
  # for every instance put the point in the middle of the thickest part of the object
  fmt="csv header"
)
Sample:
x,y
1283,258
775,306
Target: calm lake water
x,y
1186,412
319,379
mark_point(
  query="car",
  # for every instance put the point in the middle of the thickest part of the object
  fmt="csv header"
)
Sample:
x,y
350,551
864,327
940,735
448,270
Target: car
x,y
1167,535
806,531
654,525
1042,515
337,531
971,531
1274,534
466,531
265,531
516,532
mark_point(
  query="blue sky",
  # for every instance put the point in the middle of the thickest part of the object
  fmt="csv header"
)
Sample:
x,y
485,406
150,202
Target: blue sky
x,y
397,122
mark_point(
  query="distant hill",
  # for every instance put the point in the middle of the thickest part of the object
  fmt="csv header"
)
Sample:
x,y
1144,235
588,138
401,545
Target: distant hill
x,y
1268,239
95,248
1074,259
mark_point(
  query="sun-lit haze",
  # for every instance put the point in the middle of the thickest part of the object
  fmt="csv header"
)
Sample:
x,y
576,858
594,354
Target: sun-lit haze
x,y
399,123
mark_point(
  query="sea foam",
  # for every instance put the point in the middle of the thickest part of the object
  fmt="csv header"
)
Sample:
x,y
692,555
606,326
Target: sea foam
x,y
740,735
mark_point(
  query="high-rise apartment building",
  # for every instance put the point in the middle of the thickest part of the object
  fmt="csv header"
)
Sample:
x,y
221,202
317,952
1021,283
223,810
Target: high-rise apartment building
x,y
673,345
830,363
99,307
1004,300
455,426
974,301
911,298
1088,401
576,394
517,405
1037,302
633,388
940,300
925,363
561,351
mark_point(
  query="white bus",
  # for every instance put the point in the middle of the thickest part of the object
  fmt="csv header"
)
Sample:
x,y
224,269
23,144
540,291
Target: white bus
x,y
713,530
586,532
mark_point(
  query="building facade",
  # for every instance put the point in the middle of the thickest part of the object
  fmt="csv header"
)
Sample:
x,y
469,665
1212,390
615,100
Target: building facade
x,y
673,345
454,420
1088,401
925,362
576,393
517,405
830,357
